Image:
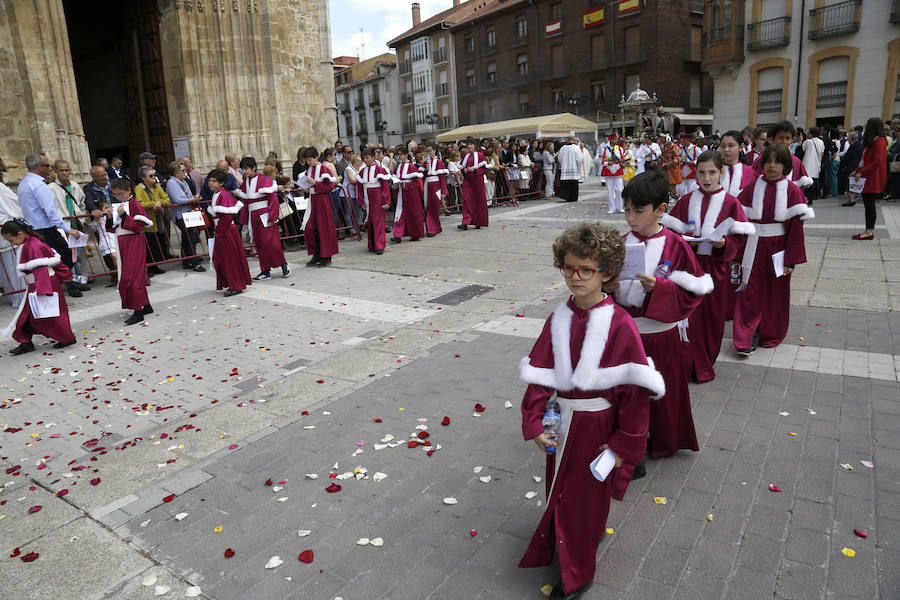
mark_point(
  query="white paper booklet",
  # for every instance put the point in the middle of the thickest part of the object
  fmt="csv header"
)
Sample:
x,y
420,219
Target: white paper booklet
x,y
603,464
81,242
778,263
634,261
44,307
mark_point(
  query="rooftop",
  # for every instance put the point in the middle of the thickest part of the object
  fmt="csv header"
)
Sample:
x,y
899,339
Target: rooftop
x,y
363,69
455,15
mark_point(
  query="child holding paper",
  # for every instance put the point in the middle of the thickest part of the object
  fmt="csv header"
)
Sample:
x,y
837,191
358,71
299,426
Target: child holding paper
x,y
374,190
226,249
590,355
704,213
661,299
126,219
260,215
43,270
318,221
777,209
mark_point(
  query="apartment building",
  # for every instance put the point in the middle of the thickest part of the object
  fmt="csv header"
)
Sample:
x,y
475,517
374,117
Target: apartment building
x,y
368,104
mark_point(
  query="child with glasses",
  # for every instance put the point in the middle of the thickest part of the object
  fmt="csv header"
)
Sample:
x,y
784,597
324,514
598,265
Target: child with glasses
x,y
661,299
590,356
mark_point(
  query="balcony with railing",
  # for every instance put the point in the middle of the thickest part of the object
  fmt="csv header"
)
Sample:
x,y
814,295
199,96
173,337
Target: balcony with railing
x,y
835,19
442,89
831,94
697,7
768,101
440,56
404,67
771,33
723,45
406,98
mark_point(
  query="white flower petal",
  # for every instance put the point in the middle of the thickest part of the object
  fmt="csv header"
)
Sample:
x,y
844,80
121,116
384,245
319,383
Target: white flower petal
x,y
283,499
530,495
312,475
145,523
161,590
507,404
485,479
274,562
387,438
192,592
450,501
181,516
304,532
377,542
421,427
277,488
378,476
537,478
362,542
379,446
149,580
309,427
478,470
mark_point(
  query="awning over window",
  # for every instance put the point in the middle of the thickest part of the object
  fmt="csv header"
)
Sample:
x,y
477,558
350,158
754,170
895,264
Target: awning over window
x,y
686,119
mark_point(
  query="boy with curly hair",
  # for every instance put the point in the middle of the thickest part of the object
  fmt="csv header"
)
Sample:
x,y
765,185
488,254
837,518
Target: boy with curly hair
x,y
590,356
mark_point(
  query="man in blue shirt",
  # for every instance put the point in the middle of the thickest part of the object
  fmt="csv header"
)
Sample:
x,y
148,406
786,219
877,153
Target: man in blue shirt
x,y
39,208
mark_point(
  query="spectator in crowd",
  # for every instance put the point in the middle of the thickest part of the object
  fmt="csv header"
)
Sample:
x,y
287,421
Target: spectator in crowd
x,y
96,198
40,211
570,159
155,201
828,174
894,163
70,203
183,200
147,159
10,277
549,162
849,163
872,168
116,170
234,167
813,149
272,159
586,162
299,165
343,159
194,177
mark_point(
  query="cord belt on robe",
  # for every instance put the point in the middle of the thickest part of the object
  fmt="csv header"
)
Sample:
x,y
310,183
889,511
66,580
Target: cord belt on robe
x,y
432,179
372,185
258,205
648,326
567,407
762,230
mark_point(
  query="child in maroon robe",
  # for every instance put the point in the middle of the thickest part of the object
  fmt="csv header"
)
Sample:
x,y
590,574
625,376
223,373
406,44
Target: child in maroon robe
x,y
126,219
226,250
435,190
43,270
783,133
697,215
374,190
318,221
777,209
260,193
660,305
409,218
590,355
475,211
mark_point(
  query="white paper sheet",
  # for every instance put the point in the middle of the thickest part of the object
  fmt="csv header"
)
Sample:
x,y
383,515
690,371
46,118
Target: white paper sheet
x,y
193,218
81,242
778,263
305,182
210,243
634,261
857,184
264,219
603,464
44,307
716,234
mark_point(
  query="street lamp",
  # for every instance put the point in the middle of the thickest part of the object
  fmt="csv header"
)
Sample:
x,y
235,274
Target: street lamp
x,y
381,126
574,100
433,120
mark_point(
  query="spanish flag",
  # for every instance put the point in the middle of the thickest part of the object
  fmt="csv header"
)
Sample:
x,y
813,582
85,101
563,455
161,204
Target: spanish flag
x,y
594,17
627,6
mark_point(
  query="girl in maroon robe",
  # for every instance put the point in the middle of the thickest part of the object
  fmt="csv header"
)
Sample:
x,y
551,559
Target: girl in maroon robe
x,y
318,221
42,269
227,251
660,306
590,355
409,216
475,211
126,219
374,189
777,209
260,193
435,190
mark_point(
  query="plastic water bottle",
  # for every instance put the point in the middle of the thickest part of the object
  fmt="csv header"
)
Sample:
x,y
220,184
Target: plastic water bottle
x,y
663,270
551,423
694,229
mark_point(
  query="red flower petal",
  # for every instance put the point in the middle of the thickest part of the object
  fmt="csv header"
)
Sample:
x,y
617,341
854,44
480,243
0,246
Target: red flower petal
x,y
306,556
422,435
229,552
473,533
332,488
412,444
861,533
774,488
233,447
169,498
30,557
479,407
62,493
377,420
303,413
15,553
268,482
34,509
95,481
445,421
430,452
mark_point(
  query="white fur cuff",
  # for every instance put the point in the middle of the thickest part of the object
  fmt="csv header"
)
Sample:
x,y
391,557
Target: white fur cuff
x,y
34,263
804,181
676,225
144,220
696,285
742,228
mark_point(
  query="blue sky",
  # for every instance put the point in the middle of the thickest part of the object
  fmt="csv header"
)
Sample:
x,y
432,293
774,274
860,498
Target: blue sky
x,y
380,20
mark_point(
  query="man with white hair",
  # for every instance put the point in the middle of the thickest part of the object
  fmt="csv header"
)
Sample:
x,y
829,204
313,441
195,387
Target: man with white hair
x,y
570,160
70,202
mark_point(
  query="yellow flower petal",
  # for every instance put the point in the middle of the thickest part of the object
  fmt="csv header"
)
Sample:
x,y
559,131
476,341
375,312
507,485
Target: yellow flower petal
x,y
546,589
792,434
219,529
848,552
610,531
660,499
709,517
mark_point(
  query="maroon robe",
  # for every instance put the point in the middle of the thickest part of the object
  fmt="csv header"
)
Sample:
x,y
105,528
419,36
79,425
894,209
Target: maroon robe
x,y
435,189
409,216
318,222
777,210
593,360
706,325
374,189
42,269
132,263
799,177
228,256
261,199
734,178
475,211
657,316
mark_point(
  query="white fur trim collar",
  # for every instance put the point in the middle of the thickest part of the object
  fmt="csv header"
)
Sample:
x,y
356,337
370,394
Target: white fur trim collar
x,y
782,211
35,263
141,218
588,374
729,184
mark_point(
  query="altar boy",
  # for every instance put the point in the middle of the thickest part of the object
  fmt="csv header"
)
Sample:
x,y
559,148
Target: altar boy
x,y
126,219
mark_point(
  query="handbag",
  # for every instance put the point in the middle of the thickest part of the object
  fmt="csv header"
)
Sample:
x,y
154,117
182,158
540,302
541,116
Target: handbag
x,y
284,210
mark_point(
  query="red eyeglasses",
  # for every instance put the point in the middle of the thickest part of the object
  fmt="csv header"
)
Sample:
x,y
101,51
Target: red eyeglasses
x,y
584,273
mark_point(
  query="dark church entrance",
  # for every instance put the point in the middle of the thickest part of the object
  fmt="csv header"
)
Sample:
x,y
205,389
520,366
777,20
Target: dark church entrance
x,y
119,75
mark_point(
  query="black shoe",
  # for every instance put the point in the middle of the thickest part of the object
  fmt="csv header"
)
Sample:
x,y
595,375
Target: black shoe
x,y
313,261
22,348
137,317
150,273
559,594
396,240
640,471
230,293
155,270
324,262
430,234
415,239
388,229
84,287
147,310
744,351
75,292
379,252
59,345
848,204
478,227
285,272
462,227
263,275
199,269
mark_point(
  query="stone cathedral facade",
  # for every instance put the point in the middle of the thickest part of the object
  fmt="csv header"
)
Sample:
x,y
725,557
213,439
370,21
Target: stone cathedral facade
x,y
80,80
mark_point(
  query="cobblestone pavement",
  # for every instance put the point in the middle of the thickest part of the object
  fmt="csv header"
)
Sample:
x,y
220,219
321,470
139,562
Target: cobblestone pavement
x,y
163,433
